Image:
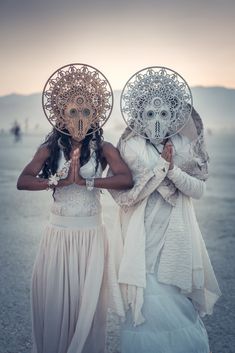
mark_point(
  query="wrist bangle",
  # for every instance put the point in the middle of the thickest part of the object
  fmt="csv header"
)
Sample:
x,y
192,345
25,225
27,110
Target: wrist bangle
x,y
90,183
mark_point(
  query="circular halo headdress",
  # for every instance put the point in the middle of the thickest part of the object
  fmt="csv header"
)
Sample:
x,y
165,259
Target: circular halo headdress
x,y
77,97
156,103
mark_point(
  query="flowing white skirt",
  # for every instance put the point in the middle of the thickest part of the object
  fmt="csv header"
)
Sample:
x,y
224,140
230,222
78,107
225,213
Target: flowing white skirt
x,y
68,292
172,324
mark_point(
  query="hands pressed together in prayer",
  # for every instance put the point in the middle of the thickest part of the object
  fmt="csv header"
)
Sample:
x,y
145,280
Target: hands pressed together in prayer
x,y
74,176
167,154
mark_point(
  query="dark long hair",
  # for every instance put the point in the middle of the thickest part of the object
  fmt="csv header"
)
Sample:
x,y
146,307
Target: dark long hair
x,y
56,140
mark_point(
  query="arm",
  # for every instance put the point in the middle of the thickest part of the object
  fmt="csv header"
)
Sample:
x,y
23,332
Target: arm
x,y
145,183
121,178
146,180
28,179
187,184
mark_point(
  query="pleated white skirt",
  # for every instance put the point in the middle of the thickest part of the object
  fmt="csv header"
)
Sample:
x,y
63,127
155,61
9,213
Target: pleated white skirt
x,y
68,293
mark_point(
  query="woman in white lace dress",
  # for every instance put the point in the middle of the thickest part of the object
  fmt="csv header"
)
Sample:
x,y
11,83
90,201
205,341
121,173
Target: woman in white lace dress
x,y
161,278
69,278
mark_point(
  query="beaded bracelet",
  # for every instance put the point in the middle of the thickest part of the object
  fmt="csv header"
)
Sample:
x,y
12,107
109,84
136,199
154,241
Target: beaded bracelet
x,y
90,183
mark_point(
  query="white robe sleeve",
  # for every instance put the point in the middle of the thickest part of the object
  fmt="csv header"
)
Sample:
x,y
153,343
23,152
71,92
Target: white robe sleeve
x,y
145,182
187,184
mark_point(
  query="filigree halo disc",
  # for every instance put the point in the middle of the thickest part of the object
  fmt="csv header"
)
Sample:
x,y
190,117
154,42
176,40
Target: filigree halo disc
x,y
156,102
81,85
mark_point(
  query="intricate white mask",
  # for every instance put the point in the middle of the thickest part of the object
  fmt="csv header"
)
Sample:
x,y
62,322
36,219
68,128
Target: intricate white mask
x,y
155,119
156,103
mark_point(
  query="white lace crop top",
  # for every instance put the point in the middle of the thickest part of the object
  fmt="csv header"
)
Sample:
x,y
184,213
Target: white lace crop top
x,y
75,200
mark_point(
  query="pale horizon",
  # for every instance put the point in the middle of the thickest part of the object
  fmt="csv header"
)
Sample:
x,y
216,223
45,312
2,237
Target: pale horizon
x,y
194,38
114,89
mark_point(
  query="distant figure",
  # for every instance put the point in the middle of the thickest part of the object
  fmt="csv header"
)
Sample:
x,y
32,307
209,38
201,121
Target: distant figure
x,y
26,125
16,131
36,128
209,132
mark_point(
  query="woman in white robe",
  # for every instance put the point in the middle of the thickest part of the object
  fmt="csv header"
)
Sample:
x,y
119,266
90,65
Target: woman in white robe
x,y
161,278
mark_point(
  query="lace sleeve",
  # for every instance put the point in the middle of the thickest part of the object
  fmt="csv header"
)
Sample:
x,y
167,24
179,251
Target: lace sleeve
x,y
187,184
145,182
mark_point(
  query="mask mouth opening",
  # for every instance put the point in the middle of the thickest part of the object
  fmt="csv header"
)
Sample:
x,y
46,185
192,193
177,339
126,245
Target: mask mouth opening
x,y
157,129
80,125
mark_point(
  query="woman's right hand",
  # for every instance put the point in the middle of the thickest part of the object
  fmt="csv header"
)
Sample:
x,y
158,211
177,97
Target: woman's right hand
x,y
70,179
167,154
70,176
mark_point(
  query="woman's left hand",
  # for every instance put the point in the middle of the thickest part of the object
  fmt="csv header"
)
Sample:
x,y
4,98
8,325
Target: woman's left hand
x,y
168,154
76,159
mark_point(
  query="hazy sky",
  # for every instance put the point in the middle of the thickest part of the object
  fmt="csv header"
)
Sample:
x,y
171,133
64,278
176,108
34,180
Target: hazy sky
x,y
195,38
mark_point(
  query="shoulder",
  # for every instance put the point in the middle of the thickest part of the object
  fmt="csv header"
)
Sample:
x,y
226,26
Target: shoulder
x,y
109,150
43,152
132,147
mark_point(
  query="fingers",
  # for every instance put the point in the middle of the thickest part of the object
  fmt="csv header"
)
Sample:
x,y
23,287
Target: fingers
x,y
76,163
76,153
167,152
168,146
75,156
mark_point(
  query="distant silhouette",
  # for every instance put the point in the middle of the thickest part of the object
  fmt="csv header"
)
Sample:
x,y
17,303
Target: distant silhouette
x,y
209,132
26,125
16,131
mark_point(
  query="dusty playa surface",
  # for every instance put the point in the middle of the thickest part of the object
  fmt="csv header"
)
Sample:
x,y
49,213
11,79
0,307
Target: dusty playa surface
x,y
24,214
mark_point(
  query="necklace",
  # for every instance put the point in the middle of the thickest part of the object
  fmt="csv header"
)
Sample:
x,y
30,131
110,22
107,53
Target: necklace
x,y
155,148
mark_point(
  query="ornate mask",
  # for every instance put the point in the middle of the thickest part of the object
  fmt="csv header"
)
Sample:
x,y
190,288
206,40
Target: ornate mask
x,y
78,117
156,103
77,98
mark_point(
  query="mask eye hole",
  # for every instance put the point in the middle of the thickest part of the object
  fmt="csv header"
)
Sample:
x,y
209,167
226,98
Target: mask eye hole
x,y
150,114
86,112
73,112
164,114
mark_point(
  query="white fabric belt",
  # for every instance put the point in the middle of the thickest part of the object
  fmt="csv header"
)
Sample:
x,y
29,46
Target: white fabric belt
x,y
76,221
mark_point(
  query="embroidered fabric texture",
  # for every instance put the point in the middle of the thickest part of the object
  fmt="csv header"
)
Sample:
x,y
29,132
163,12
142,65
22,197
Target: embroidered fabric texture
x,y
70,200
146,179
54,179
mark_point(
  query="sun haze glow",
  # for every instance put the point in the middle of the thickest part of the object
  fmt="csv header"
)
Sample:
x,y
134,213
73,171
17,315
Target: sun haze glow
x,y
194,38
